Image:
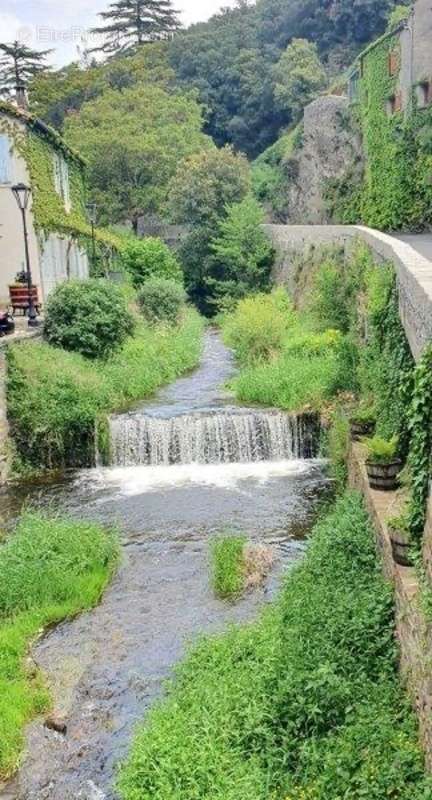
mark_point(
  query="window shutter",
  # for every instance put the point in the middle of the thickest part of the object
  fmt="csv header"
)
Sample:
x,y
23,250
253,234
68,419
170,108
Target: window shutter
x,y
5,159
57,174
393,62
398,102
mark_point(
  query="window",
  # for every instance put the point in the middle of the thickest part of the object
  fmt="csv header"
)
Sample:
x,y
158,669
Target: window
x,y
393,62
61,179
424,94
394,104
5,159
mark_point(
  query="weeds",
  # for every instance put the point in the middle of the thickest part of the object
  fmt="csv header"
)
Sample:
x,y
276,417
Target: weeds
x,y
227,566
50,569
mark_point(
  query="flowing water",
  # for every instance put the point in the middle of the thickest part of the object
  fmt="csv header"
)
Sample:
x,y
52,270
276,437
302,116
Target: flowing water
x,y
185,466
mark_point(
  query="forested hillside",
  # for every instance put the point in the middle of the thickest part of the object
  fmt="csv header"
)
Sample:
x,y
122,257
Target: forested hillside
x,y
231,61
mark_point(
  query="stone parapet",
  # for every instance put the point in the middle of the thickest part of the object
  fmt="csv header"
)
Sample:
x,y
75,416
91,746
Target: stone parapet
x,y
414,271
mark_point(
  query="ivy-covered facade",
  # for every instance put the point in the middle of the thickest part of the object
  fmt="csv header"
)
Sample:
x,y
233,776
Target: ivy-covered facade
x,y
391,90
59,233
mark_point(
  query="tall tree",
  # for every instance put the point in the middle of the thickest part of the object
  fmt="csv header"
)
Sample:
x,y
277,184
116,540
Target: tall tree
x,y
131,23
299,76
18,65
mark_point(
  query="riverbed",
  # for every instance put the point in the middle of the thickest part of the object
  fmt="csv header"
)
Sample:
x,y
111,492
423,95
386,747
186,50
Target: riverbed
x,y
108,666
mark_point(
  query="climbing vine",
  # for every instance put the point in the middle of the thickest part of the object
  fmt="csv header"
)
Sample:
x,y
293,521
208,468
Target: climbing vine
x,y
420,424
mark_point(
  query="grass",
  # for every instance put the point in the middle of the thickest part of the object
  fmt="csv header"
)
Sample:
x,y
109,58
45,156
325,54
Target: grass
x,y
284,361
50,569
56,398
304,704
227,566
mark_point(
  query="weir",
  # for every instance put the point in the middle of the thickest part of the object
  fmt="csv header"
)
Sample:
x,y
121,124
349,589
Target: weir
x,y
221,437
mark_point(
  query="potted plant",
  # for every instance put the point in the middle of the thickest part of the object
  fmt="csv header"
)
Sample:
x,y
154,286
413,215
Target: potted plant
x,y
362,423
19,293
400,538
382,464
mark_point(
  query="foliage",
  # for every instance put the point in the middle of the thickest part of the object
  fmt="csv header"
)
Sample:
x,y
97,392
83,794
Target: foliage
x,y
399,14
128,24
299,76
337,447
258,327
396,192
420,423
133,140
227,566
243,255
88,317
381,451
304,703
59,93
55,398
18,65
161,300
50,569
206,184
202,191
149,258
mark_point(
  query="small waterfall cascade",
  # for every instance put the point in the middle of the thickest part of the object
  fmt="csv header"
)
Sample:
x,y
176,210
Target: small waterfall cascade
x,y
220,437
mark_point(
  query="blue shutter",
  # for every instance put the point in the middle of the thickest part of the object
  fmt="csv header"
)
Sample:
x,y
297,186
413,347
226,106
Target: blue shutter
x,y
5,159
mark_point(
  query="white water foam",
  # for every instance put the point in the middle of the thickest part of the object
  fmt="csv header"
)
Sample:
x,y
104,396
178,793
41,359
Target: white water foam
x,y
128,481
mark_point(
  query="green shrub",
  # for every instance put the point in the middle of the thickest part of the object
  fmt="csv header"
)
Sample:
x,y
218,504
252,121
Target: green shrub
x,y
89,317
55,398
258,327
305,703
381,451
227,566
161,300
150,258
50,569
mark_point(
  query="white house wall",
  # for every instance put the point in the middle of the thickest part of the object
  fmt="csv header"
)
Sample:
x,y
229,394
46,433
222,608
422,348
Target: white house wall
x,y
12,256
61,259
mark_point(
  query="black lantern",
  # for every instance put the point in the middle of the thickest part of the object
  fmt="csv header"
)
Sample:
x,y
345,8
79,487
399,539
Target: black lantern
x,y
22,193
92,216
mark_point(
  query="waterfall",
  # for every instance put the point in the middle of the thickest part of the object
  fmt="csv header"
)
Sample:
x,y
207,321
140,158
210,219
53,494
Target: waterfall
x,y
212,438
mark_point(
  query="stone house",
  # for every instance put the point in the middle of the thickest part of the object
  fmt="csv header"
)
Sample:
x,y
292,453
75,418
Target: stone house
x,y
35,154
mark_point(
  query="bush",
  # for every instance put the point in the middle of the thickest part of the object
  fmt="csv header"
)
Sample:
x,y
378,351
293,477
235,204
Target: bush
x,y
50,569
305,703
89,317
150,258
161,300
382,451
258,327
55,398
227,566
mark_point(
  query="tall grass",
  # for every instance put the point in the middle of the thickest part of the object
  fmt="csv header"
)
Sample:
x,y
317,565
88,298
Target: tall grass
x,y
227,566
56,397
283,361
305,704
50,569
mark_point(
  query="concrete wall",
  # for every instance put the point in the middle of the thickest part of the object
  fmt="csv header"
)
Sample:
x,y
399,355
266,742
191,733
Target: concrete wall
x,y
12,258
413,270
416,51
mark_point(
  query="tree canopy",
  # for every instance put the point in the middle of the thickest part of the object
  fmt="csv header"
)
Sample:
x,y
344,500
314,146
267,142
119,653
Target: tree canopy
x,y
299,75
127,24
18,65
133,140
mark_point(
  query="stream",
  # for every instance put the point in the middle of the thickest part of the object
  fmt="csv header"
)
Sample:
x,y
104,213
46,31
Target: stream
x,y
186,465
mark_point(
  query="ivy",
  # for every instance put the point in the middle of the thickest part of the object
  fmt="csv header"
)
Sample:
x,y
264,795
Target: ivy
x,y
420,426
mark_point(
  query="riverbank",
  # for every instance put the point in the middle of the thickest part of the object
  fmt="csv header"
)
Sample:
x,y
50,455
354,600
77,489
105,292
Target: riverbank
x,y
305,703
58,401
50,570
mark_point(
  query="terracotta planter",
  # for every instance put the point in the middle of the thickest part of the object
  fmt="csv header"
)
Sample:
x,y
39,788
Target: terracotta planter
x,y
383,477
361,429
20,295
401,547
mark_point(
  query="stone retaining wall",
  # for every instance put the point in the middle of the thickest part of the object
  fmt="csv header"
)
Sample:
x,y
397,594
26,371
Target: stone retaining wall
x,y
413,630
413,270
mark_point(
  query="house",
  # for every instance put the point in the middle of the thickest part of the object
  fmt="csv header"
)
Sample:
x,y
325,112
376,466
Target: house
x,y
58,232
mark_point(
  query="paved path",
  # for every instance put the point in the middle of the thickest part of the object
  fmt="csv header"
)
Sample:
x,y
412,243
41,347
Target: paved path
x,y
422,242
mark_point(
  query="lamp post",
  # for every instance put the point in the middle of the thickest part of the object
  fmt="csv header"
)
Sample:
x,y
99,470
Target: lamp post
x,y
92,215
22,193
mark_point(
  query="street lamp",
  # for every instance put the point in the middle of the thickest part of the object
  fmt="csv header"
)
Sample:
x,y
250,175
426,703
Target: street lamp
x,y
22,193
92,215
